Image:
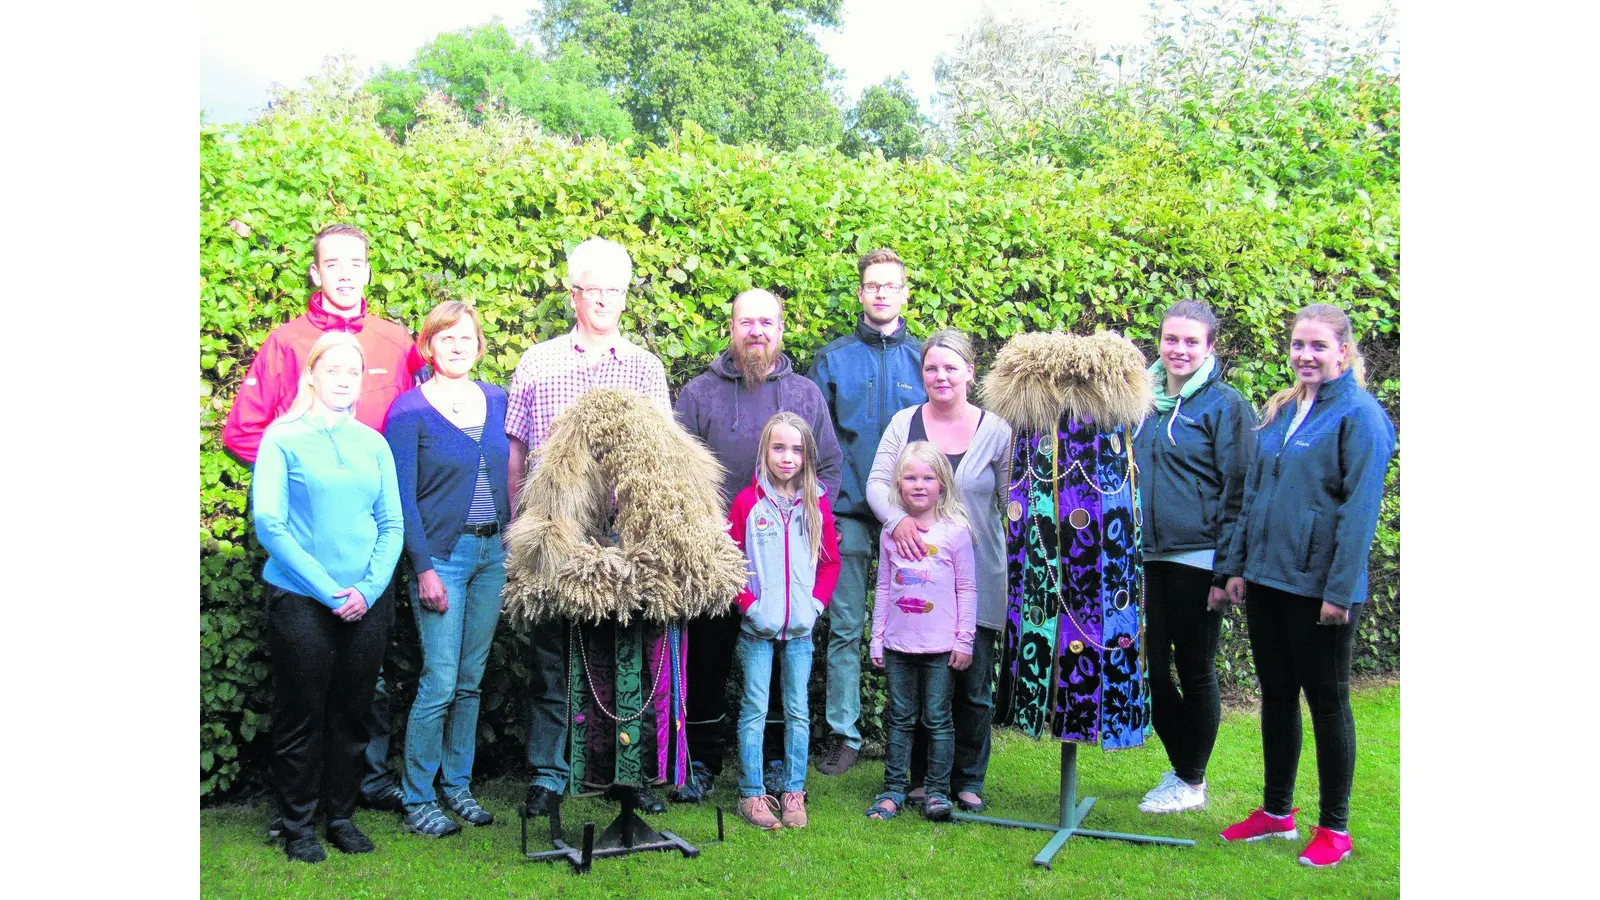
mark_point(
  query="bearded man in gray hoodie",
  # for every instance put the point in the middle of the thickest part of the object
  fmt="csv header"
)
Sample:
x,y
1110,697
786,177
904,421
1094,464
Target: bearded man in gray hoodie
x,y
726,407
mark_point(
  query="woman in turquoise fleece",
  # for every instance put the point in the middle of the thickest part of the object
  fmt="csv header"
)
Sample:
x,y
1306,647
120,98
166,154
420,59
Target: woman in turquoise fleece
x,y
327,509
1298,560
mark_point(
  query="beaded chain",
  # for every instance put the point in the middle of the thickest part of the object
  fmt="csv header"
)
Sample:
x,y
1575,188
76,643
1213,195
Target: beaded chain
x,y
1031,472
643,707
1054,570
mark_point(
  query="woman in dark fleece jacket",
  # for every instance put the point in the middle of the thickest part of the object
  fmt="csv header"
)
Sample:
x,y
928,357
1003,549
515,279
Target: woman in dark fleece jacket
x,y
1193,451
1299,562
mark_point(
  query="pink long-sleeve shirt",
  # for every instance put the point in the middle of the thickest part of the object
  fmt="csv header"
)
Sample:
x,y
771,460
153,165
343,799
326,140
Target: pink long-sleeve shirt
x,y
928,605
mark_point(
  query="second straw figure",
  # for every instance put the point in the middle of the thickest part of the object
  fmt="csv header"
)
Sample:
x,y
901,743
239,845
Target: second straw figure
x,y
1070,665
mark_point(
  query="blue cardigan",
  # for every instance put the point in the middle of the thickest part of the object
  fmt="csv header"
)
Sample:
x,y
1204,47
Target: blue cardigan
x,y
326,509
1311,507
437,466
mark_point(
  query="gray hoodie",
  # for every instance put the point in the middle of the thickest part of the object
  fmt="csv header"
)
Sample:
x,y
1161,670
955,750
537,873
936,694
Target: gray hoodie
x,y
718,408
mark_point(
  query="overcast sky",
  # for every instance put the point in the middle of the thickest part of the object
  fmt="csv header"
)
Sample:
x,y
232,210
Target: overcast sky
x,y
247,47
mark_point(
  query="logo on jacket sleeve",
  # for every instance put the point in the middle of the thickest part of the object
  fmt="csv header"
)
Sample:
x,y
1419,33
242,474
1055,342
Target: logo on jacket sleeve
x,y
762,522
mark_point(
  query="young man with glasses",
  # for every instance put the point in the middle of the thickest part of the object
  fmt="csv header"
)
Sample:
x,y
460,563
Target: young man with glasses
x,y
866,377
551,376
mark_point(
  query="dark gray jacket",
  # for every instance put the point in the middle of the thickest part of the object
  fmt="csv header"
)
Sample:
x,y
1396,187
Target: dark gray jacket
x,y
1192,465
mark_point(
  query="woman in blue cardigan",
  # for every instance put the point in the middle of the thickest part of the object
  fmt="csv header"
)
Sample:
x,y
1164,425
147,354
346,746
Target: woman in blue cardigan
x,y
451,453
328,513
1299,563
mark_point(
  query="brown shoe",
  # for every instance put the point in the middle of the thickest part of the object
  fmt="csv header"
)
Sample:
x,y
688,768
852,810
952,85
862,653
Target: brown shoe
x,y
794,809
839,758
758,811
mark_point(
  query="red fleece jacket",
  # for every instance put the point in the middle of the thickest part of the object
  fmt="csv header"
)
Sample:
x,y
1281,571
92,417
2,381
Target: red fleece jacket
x,y
274,377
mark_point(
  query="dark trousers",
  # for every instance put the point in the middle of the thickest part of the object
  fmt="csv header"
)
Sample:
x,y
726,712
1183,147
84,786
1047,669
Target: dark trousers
x,y
376,776
323,672
919,687
708,663
1179,629
546,744
972,706
1292,654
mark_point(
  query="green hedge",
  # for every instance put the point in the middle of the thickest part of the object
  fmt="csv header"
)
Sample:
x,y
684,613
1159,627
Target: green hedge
x,y
993,248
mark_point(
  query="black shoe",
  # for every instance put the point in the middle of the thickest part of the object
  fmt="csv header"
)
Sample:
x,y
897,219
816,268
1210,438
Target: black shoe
x,y
347,838
388,799
540,801
648,801
306,850
699,786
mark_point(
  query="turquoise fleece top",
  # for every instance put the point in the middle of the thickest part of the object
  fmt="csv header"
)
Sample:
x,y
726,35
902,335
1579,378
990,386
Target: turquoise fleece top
x,y
327,508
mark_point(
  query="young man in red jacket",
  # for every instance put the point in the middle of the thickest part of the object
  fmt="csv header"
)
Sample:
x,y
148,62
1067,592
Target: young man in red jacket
x,y
339,269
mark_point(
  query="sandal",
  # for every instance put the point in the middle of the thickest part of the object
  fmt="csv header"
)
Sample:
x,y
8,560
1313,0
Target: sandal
x,y
970,807
937,808
884,808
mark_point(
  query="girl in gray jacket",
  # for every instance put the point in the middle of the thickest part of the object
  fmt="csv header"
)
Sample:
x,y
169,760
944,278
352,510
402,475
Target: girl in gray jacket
x,y
784,524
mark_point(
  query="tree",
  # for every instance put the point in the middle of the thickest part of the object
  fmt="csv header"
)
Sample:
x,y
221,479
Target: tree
x,y
481,68
886,118
1287,103
745,70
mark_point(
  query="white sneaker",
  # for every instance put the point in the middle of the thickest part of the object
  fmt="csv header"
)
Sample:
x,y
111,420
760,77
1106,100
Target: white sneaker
x,y
1168,779
1173,795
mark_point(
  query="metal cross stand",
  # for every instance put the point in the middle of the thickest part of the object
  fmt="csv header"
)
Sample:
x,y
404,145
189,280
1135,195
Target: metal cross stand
x,y
1072,813
626,834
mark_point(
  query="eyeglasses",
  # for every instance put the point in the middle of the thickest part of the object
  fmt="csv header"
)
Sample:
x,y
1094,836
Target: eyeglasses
x,y
595,293
890,288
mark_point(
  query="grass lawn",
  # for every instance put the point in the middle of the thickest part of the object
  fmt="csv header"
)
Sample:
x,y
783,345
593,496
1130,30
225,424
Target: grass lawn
x,y
842,854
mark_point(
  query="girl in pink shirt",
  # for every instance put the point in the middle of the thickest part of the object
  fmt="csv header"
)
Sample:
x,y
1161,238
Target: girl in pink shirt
x,y
923,617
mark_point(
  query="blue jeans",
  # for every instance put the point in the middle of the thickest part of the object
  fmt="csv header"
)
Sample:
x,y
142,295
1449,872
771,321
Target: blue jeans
x,y
755,660
920,686
847,615
442,732
972,710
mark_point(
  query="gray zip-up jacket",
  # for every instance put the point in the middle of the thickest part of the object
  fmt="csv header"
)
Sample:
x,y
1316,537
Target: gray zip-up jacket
x,y
983,481
785,592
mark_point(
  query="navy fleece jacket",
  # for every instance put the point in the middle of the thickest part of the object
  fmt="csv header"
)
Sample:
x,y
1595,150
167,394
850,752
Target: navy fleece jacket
x,y
1311,504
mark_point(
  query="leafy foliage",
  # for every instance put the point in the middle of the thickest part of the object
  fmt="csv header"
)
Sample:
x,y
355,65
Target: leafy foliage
x,y
1148,214
886,119
744,70
481,69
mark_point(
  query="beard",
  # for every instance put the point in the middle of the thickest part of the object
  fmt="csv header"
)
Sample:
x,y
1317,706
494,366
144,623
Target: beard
x,y
756,363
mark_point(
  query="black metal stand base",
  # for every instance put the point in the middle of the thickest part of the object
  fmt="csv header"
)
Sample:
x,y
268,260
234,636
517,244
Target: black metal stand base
x,y
626,834
1072,813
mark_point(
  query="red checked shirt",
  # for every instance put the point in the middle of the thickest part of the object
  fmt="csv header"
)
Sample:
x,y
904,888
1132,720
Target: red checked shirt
x,y
555,373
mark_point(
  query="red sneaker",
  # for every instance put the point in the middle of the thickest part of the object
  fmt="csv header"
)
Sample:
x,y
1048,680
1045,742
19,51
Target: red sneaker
x,y
1327,848
1260,825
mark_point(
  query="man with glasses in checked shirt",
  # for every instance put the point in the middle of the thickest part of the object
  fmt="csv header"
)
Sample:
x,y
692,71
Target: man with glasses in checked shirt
x,y
551,376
